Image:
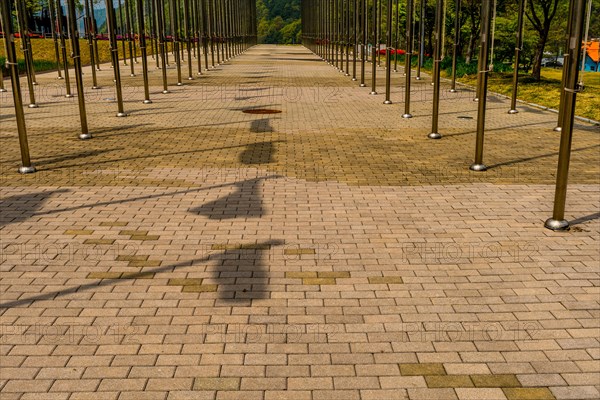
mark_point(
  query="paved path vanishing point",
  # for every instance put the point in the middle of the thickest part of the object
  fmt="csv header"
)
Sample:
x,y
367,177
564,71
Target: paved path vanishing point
x,y
327,251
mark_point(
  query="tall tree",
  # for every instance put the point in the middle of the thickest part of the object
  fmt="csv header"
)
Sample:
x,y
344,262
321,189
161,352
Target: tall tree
x,y
541,13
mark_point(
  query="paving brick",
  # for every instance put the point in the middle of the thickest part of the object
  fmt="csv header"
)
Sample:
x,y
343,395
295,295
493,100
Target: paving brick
x,y
448,381
216,383
422,369
528,394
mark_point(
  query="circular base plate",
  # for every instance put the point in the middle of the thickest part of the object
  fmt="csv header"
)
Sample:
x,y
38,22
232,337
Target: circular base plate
x,y
418,78
27,170
68,96
478,167
179,84
33,106
434,135
354,79
166,92
387,102
190,78
513,111
121,115
557,129
95,87
475,99
557,225
132,75
453,91
147,102
85,136
407,116
363,85
60,78
3,90
373,93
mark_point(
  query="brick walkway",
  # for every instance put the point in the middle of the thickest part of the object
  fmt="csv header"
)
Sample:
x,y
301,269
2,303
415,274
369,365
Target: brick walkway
x,y
330,251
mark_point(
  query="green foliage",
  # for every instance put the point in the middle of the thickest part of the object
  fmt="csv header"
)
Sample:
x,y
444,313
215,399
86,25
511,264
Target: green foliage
x,y
38,65
279,21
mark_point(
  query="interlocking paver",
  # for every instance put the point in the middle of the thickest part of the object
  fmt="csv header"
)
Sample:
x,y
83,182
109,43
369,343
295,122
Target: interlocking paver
x,y
192,251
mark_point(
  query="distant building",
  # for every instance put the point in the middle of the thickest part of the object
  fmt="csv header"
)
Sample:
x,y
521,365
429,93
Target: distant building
x,y
592,56
40,21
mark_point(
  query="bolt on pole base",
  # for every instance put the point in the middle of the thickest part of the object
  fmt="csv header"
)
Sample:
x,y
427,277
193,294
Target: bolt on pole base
x,y
513,111
27,170
557,225
434,135
478,167
85,136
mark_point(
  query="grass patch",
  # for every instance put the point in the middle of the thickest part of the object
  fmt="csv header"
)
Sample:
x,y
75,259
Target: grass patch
x,y
545,92
44,57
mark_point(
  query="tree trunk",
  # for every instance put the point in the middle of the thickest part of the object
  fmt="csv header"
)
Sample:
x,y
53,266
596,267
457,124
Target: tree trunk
x,y
539,55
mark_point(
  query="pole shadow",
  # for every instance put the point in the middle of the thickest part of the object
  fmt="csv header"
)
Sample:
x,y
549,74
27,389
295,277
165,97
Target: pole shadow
x,y
241,273
244,202
21,207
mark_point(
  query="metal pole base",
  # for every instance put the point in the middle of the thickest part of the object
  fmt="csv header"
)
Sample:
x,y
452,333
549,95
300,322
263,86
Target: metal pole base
x,y
557,225
478,167
95,87
190,78
407,116
453,91
346,74
418,78
33,105
395,70
166,92
179,84
68,96
147,102
85,136
387,102
3,90
199,74
434,135
27,170
354,79
34,83
132,75
373,93
121,114
476,99
513,111
363,85
558,129
60,78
